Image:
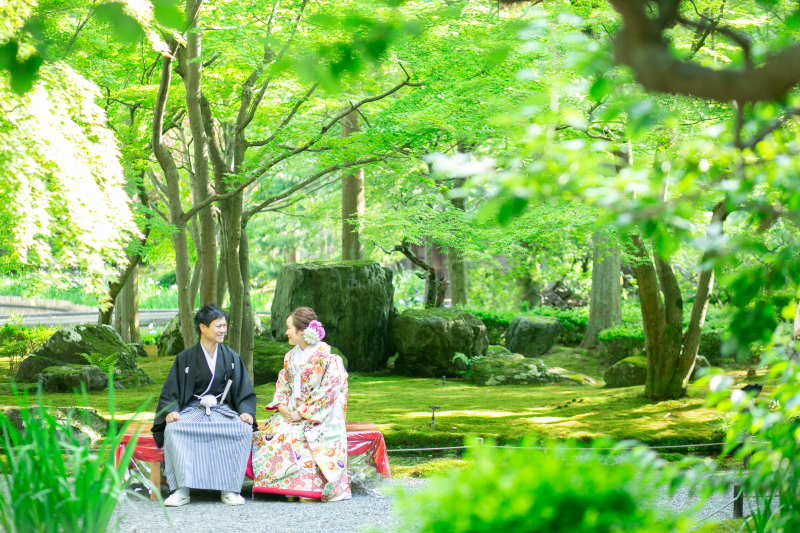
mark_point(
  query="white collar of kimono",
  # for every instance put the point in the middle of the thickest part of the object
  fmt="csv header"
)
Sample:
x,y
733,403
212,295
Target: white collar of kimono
x,y
299,358
212,364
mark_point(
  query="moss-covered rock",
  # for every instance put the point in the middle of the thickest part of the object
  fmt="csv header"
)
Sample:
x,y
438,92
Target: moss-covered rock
x,y
268,360
516,369
352,299
68,378
138,350
532,336
68,345
496,348
170,343
629,372
427,340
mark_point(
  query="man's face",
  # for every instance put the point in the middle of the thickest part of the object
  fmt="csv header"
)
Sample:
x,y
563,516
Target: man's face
x,y
214,332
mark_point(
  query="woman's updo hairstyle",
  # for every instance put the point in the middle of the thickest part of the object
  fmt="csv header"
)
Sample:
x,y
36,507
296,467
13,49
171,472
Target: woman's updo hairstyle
x,y
302,317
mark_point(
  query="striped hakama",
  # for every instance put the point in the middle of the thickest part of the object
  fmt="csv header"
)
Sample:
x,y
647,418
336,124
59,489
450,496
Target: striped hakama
x,y
207,451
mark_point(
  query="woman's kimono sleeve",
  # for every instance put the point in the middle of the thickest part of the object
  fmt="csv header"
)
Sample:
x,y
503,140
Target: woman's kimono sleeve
x,y
283,391
323,399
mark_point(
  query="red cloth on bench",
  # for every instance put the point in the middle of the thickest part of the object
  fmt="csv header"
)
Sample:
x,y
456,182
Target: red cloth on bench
x,y
362,437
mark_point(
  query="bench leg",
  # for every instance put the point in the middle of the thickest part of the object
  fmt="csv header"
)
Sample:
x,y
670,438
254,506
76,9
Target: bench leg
x,y
155,480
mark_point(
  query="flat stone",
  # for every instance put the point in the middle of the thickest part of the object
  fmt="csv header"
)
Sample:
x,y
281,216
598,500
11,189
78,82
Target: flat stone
x,y
516,369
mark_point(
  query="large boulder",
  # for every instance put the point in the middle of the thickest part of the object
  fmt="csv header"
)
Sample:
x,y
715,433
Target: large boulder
x,y
67,378
66,346
138,349
532,336
516,369
352,299
629,372
170,342
427,340
268,360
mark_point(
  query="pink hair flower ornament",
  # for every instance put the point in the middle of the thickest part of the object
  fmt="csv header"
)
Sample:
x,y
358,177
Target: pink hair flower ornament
x,y
314,332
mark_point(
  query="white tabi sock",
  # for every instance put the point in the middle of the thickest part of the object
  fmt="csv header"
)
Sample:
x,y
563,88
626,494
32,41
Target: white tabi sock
x,y
183,492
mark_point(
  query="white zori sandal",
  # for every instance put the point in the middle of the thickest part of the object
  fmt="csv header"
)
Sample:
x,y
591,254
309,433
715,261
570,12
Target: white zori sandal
x,y
232,498
178,498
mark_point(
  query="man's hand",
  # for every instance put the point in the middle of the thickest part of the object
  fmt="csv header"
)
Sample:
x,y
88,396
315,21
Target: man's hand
x,y
246,418
172,417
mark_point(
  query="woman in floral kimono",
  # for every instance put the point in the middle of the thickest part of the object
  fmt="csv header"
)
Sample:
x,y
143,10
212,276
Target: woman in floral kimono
x,y
302,450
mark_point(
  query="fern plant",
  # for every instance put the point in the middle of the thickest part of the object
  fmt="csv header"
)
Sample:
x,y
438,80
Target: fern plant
x,y
106,363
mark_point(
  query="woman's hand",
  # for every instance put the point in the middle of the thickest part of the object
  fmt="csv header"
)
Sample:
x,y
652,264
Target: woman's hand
x,y
289,416
284,411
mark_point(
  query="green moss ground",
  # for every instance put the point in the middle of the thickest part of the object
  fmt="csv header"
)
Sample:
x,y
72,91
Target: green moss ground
x,y
400,407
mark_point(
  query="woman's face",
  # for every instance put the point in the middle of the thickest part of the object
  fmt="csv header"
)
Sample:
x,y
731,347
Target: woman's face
x,y
292,332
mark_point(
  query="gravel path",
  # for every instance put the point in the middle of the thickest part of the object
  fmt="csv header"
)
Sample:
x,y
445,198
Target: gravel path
x,y
267,513
363,513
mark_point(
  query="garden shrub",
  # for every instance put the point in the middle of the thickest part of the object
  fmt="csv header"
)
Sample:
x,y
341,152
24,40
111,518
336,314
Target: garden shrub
x,y
531,491
168,280
496,323
621,342
573,323
17,340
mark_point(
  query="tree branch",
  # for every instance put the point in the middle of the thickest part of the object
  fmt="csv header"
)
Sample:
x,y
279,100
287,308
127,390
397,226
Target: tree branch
x,y
288,118
308,181
259,171
641,46
243,122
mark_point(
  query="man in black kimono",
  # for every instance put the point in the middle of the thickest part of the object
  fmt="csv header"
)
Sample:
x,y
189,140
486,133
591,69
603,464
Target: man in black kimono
x,y
206,415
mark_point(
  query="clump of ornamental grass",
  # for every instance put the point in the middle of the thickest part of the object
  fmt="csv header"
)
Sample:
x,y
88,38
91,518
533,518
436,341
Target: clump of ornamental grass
x,y
53,478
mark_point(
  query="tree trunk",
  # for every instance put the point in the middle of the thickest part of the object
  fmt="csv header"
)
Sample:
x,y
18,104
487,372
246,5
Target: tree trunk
x,y
197,272
437,284
289,255
431,283
114,287
459,291
222,271
605,305
352,200
192,73
248,325
172,178
669,365
457,267
126,316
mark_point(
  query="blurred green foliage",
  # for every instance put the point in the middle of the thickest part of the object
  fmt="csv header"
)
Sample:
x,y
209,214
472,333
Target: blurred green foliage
x,y
18,340
550,491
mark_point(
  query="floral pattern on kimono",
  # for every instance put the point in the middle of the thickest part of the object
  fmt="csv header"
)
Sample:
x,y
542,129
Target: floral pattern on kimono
x,y
317,444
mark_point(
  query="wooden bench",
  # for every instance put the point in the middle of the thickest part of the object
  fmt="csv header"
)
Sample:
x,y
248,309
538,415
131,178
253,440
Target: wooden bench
x,y
362,437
